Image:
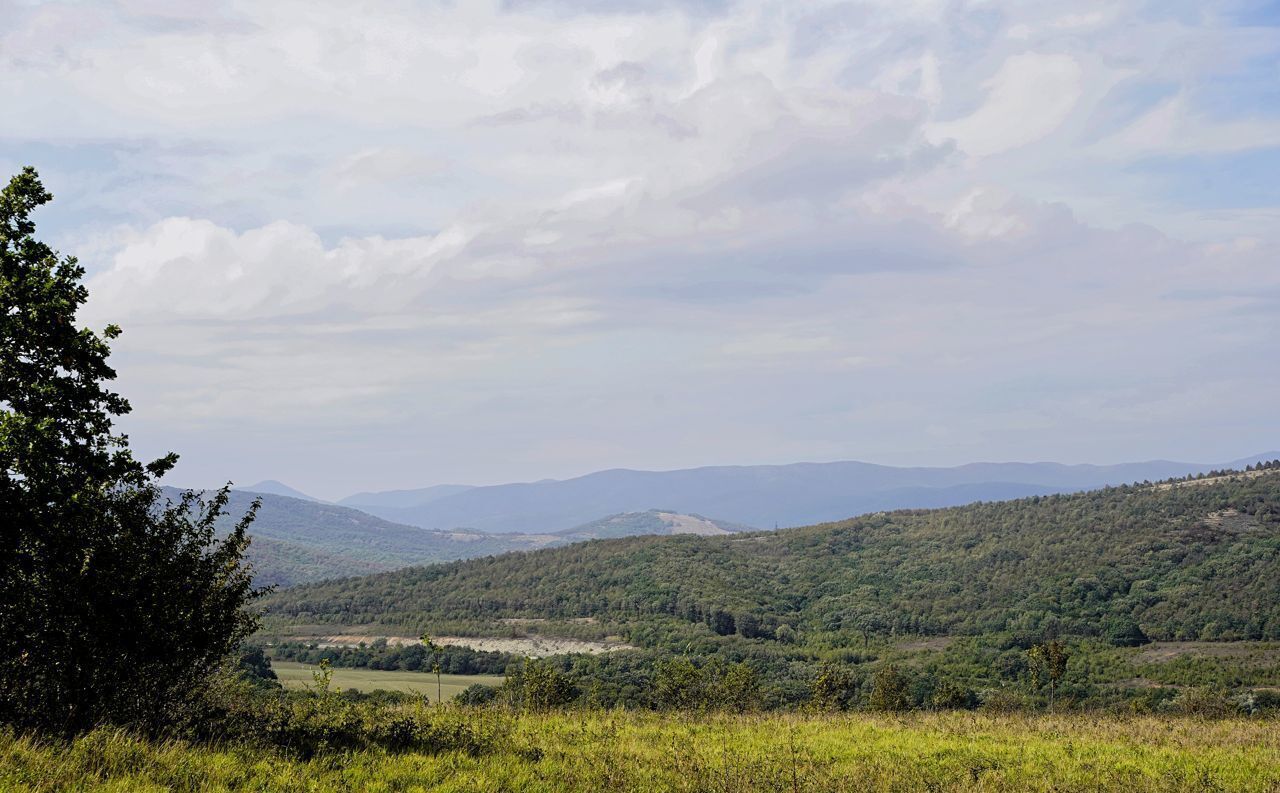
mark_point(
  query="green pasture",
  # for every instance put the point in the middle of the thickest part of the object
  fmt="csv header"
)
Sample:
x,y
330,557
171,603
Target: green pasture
x,y
295,675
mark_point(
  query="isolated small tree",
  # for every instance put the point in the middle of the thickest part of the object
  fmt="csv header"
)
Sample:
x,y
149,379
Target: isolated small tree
x,y
115,605
1046,664
869,625
435,650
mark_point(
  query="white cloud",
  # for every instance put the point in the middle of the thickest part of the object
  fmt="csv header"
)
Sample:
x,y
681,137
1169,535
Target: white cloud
x,y
1029,97
750,233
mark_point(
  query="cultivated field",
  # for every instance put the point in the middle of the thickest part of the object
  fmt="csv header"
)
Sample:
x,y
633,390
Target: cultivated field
x,y
590,751
294,675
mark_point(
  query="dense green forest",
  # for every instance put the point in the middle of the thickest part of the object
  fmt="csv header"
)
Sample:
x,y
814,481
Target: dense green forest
x,y
1194,559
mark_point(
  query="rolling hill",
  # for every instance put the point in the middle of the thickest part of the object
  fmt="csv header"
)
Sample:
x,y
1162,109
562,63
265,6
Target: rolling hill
x,y
1194,559
764,496
296,540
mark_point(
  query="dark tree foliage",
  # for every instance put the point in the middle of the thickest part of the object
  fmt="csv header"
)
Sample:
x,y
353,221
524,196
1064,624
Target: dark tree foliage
x,y
115,607
452,659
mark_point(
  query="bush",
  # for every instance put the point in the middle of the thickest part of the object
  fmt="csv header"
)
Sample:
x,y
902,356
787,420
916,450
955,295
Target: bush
x,y
539,686
834,688
477,694
889,690
950,695
1002,700
1214,703
304,724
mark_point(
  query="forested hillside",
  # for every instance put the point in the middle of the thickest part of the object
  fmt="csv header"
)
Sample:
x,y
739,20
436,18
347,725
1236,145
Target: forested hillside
x,y
1196,559
297,541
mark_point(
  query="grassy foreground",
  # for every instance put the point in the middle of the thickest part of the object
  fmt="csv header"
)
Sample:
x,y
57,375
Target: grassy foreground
x,y
648,751
296,675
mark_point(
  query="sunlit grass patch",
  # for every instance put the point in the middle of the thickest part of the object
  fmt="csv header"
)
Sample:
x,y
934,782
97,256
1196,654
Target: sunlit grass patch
x,y
602,750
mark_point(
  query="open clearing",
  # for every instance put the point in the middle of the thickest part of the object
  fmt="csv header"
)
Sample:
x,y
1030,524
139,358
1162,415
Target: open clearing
x,y
1162,652
295,675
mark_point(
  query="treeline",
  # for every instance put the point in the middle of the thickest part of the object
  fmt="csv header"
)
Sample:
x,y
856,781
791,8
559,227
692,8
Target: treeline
x,y
1008,671
451,659
1050,675
1188,559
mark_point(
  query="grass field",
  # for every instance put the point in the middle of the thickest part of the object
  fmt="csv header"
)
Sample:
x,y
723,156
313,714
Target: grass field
x,y
295,675
588,751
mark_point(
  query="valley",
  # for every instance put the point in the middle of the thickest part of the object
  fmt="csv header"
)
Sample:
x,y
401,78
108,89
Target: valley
x,y
950,599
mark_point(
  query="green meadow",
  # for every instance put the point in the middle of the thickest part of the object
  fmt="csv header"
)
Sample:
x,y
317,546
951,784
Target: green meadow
x,y
614,750
295,675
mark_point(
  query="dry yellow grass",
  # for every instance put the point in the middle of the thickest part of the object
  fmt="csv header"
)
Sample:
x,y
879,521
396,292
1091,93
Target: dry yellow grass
x,y
589,751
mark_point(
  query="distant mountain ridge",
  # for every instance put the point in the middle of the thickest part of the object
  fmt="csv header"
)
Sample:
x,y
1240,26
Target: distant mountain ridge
x,y
402,498
764,495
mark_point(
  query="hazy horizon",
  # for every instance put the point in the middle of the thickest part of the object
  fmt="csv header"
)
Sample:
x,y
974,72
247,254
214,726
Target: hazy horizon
x,y
497,242
341,494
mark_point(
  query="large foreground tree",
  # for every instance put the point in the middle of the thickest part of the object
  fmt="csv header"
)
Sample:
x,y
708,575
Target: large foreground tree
x,y
116,605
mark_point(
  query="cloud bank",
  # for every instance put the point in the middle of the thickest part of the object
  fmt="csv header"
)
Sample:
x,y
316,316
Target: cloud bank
x,y
410,243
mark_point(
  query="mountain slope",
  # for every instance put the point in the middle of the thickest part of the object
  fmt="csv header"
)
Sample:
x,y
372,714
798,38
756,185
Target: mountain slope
x,y
296,541
1199,559
769,495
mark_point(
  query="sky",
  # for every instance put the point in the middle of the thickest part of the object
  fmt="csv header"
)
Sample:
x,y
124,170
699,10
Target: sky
x,y
378,245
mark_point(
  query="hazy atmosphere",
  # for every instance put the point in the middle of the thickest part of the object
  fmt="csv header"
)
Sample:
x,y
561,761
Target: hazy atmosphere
x,y
484,242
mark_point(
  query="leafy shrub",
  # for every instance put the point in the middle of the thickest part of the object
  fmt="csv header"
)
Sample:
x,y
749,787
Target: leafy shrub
x,y
1002,700
834,688
950,695
477,694
538,686
890,690
1214,703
